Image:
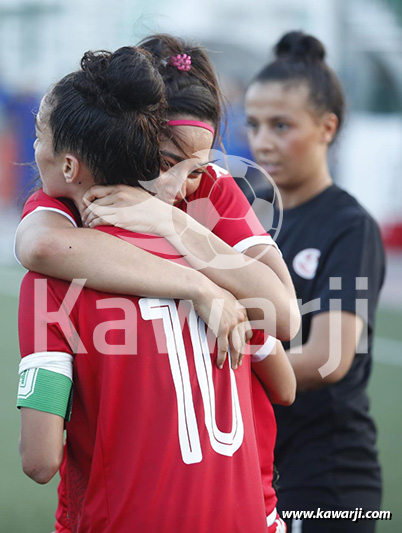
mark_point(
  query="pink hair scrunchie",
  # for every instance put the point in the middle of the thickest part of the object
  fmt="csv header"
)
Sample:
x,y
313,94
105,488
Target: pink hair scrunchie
x,y
181,62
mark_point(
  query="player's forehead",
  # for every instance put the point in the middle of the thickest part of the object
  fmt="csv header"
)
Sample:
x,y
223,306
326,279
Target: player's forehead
x,y
179,154
275,98
42,116
187,140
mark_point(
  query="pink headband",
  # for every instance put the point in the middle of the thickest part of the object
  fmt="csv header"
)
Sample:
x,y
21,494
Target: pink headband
x,y
196,123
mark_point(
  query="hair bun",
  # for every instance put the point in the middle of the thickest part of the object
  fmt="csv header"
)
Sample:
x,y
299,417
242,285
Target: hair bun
x,y
125,78
300,46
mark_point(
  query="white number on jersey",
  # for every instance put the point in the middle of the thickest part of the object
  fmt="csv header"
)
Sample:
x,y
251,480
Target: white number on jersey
x,y
221,442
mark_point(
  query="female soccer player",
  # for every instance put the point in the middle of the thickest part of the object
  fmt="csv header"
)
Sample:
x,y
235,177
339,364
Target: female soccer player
x,y
325,453
33,245
193,98
159,438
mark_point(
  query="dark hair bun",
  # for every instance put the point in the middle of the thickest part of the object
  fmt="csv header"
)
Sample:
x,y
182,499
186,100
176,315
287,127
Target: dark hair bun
x,y
300,46
126,78
193,92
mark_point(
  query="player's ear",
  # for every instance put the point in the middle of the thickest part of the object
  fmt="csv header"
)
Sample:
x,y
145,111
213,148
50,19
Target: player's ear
x,y
330,124
71,168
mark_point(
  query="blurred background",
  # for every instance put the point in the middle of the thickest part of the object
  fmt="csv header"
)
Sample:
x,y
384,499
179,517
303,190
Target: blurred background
x,y
42,40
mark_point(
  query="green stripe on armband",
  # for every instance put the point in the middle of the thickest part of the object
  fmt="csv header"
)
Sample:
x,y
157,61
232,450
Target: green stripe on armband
x,y
46,391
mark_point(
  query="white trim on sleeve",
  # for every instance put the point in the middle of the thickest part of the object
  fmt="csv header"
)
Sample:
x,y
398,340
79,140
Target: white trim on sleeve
x,y
55,210
42,208
272,517
247,243
265,350
59,362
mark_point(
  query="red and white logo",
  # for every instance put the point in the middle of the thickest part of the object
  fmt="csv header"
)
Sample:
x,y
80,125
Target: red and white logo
x,y
305,262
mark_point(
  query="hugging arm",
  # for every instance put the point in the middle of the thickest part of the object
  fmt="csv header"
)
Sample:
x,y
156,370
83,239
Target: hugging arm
x,y
276,375
243,276
265,280
48,243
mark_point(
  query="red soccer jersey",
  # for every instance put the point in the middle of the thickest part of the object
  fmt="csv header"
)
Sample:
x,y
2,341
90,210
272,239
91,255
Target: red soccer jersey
x,y
40,201
219,205
159,438
266,437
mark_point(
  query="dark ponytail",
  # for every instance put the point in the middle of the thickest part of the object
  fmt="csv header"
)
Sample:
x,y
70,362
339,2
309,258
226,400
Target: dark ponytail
x,y
194,92
301,58
110,114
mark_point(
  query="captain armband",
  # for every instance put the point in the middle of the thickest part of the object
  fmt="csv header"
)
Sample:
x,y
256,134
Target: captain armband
x,y
46,383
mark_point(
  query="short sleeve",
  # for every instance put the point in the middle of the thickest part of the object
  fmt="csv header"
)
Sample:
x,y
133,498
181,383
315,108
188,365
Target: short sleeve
x,y
48,340
261,346
352,270
221,206
44,321
39,201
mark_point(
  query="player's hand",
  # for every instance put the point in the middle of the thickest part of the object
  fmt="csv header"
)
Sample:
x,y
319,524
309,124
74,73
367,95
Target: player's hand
x,y
227,319
126,207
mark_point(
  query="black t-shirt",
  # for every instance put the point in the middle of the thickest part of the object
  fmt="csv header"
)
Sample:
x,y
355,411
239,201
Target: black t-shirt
x,y
326,445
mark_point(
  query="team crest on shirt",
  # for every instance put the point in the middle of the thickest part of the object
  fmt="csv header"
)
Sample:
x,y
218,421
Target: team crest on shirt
x,y
305,262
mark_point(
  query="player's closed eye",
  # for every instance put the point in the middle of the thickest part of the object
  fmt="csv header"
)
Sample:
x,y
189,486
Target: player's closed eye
x,y
166,165
197,172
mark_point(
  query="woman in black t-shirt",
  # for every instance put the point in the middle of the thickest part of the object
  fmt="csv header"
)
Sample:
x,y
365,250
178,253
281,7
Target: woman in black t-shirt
x,y
326,452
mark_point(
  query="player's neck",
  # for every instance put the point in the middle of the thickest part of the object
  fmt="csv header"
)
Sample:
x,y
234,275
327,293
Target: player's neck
x,y
77,197
306,190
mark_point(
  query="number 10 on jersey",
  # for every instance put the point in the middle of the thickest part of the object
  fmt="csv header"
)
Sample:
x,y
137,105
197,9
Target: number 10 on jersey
x,y
189,439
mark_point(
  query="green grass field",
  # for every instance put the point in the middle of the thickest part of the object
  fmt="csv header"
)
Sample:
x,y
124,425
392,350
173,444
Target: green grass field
x,y
29,508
